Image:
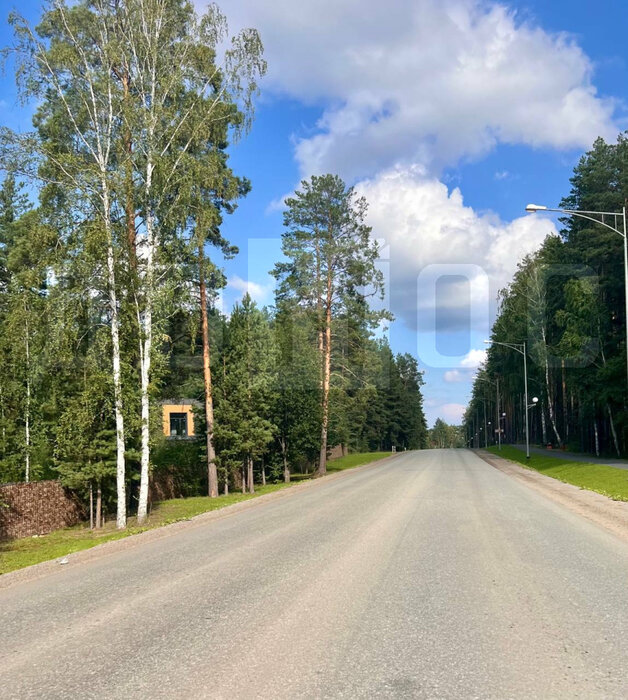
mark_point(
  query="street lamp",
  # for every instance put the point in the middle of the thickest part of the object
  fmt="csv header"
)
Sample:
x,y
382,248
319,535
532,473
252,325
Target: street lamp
x,y
521,349
623,233
496,385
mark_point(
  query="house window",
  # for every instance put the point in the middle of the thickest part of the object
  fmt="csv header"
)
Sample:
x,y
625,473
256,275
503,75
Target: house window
x,y
178,424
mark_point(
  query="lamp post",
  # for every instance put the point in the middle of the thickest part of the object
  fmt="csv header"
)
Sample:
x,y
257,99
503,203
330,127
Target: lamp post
x,y
623,232
521,349
501,417
496,385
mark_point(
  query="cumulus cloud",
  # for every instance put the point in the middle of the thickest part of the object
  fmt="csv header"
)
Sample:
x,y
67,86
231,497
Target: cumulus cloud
x,y
428,81
454,376
258,292
474,359
425,224
450,412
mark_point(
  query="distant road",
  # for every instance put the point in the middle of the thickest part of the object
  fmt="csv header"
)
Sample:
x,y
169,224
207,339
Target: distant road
x,y
432,575
576,456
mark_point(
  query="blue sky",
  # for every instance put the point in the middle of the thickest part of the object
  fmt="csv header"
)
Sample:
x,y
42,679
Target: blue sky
x,y
449,116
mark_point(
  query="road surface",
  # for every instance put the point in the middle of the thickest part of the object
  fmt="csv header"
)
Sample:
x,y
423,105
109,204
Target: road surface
x,y
432,575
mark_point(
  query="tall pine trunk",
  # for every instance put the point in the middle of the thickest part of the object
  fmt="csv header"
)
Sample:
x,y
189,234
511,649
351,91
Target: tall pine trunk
x,y
99,522
250,474
284,456
212,473
564,391
322,462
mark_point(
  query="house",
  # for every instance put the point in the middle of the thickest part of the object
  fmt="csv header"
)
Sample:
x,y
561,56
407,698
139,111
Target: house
x,y
178,418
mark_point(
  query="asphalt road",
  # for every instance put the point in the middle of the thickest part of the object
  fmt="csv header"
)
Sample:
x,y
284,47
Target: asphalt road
x,y
431,575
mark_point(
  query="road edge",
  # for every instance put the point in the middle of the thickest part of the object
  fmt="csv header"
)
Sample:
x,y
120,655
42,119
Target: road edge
x,y
45,568
601,510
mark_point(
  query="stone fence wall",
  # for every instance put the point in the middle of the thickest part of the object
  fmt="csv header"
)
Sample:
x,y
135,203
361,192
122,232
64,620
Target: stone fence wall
x,y
36,508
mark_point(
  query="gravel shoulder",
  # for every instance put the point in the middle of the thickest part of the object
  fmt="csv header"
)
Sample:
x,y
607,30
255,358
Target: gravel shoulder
x,y
609,514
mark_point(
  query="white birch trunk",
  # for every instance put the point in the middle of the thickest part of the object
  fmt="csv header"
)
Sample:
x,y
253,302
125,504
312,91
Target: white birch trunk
x,y
117,376
550,405
91,506
146,325
98,107
613,431
597,438
27,408
145,362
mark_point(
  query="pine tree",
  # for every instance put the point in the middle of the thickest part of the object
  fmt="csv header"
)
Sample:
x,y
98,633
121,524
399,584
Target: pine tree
x,y
330,270
247,392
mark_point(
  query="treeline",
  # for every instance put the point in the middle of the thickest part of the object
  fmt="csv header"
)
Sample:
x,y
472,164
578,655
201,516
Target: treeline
x,y
443,435
107,284
567,304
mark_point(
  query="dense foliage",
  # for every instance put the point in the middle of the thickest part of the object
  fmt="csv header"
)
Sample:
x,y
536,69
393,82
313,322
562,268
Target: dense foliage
x,y
567,304
443,435
107,283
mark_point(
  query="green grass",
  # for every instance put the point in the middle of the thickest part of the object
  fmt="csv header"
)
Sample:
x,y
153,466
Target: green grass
x,y
355,460
609,481
26,551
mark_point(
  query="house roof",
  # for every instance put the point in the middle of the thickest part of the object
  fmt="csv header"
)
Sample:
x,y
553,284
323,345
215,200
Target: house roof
x,y
181,402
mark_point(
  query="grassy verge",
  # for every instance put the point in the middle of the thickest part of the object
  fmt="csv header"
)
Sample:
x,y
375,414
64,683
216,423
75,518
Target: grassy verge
x,y
358,459
609,481
26,551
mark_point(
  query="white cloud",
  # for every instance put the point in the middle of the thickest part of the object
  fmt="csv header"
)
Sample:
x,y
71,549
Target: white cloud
x,y
426,224
454,376
450,412
424,81
502,175
406,90
474,359
275,205
258,292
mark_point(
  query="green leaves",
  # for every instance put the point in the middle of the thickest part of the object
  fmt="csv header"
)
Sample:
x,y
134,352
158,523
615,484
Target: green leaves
x,y
247,388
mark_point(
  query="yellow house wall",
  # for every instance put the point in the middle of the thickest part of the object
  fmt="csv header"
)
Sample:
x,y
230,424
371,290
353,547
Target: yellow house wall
x,y
178,408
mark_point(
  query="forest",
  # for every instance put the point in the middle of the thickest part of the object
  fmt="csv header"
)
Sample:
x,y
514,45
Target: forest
x,y
567,304
110,247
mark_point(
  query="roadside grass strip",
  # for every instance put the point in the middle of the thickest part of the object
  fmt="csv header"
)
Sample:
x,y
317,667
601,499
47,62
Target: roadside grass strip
x,y
609,481
359,459
26,551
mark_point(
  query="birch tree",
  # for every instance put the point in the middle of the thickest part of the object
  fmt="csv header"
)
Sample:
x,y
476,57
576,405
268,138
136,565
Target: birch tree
x,y
178,90
533,275
67,63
